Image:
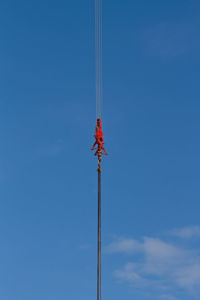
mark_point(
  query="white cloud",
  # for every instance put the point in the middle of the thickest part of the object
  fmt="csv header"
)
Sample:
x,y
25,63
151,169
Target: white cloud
x,y
160,256
130,273
159,265
188,275
187,232
123,246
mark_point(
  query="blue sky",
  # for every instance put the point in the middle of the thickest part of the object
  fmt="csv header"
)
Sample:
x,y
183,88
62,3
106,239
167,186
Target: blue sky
x,y
48,180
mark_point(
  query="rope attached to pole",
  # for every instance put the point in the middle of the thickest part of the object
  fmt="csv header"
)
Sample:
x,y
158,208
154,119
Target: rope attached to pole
x,y
98,56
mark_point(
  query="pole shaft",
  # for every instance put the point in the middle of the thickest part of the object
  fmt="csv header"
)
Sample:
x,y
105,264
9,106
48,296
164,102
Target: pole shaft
x,y
99,237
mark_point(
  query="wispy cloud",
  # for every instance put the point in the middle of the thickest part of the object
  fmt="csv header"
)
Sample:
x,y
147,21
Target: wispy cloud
x,y
123,246
131,274
159,265
187,232
167,297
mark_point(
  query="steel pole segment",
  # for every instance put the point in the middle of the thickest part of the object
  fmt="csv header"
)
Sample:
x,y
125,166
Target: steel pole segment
x,y
99,237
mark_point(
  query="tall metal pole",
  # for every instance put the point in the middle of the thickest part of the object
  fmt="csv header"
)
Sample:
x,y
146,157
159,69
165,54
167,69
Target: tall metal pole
x,y
99,236
99,137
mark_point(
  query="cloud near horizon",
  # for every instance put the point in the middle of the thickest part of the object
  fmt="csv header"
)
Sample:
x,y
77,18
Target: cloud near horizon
x,y
187,232
161,266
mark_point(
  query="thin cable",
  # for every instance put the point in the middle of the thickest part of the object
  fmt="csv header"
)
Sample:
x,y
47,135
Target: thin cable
x,y
101,30
96,52
98,56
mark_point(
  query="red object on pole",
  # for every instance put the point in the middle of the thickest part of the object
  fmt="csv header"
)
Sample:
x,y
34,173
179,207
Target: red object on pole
x,y
99,140
99,147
